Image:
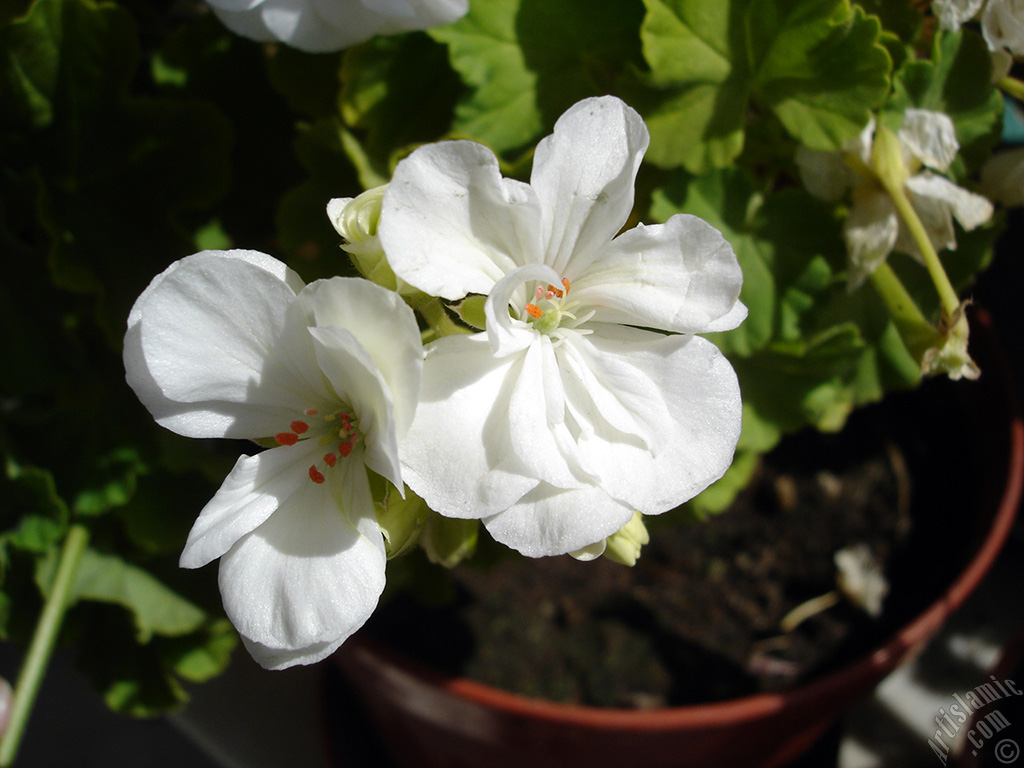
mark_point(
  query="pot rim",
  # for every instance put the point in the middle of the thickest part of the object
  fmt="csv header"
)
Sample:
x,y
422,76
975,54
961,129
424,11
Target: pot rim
x,y
859,676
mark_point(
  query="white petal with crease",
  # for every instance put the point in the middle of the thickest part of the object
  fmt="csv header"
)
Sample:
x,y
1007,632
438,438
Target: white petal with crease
x,y
308,577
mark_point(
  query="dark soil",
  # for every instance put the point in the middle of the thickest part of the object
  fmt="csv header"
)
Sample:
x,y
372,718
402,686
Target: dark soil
x,y
697,619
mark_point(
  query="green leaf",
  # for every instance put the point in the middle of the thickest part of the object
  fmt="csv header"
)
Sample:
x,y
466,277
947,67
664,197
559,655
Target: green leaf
x,y
108,578
312,245
34,516
387,79
111,483
815,64
111,170
135,680
721,493
309,82
809,350
204,654
527,61
957,81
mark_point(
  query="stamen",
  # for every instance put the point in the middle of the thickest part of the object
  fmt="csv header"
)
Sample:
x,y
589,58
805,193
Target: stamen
x,y
533,311
286,438
298,427
330,459
310,411
316,475
345,449
566,284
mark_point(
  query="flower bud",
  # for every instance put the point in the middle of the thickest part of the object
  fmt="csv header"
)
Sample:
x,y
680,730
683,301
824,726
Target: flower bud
x,y
448,541
624,545
401,520
356,220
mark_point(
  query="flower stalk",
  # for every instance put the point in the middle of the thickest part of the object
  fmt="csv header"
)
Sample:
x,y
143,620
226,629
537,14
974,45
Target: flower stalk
x,y
1012,87
892,172
917,333
43,642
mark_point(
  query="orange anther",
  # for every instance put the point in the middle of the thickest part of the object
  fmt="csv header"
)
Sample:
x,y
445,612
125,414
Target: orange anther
x,y
533,311
298,427
345,449
316,475
310,411
286,438
552,291
330,459
566,283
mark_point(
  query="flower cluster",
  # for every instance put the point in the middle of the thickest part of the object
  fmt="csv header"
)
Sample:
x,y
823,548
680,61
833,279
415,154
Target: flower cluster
x,y
1002,21
587,398
873,228
318,26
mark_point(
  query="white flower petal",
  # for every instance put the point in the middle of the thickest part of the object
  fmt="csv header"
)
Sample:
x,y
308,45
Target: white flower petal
x,y
930,137
1002,24
970,210
458,454
350,369
310,576
553,521
506,334
536,419
353,21
300,24
200,346
826,175
682,400
405,15
247,23
451,225
679,276
953,13
253,490
583,175
870,230
282,658
385,327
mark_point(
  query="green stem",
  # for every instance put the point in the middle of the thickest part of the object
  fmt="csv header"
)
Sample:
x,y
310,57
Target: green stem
x,y
1013,87
948,294
887,162
437,317
43,642
915,330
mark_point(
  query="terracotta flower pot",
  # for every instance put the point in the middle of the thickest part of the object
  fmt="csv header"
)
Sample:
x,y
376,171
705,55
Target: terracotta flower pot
x,y
429,720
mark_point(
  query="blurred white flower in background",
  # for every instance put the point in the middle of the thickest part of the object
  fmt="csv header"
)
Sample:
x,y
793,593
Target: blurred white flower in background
x,y
873,228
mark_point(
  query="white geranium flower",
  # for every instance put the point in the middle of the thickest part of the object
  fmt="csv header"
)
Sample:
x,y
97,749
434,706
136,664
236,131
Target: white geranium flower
x,y
1002,24
317,26
1002,21
954,13
566,416
873,228
231,344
